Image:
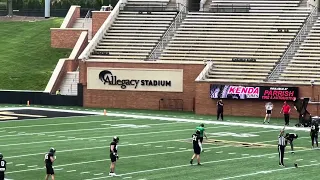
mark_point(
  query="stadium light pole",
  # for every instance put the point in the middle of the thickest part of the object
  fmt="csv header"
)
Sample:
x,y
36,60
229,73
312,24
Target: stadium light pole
x,y
10,10
47,5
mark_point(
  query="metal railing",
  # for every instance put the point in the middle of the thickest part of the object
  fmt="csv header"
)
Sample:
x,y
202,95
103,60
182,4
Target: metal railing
x,y
229,8
289,53
99,35
156,52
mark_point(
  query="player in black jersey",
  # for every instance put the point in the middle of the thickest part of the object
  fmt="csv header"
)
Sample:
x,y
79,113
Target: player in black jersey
x,y
197,147
113,155
49,158
289,139
3,167
314,134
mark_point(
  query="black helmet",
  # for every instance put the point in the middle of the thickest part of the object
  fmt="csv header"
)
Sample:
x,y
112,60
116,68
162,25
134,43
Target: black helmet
x,y
116,139
1,156
52,150
202,125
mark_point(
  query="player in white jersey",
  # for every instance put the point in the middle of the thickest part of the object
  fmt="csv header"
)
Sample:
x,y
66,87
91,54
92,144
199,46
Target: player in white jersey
x,y
269,107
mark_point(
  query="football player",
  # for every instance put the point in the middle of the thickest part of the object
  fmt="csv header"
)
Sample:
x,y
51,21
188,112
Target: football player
x,y
113,155
197,147
49,158
289,139
202,132
3,168
314,134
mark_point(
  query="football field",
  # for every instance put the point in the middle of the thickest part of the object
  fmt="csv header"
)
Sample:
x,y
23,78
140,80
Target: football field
x,y
151,147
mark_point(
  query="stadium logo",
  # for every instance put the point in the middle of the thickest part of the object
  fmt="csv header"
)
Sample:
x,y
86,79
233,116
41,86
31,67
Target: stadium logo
x,y
109,79
251,92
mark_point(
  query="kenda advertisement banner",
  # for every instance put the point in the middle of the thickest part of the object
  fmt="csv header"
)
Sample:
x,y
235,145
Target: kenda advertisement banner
x,y
253,92
131,79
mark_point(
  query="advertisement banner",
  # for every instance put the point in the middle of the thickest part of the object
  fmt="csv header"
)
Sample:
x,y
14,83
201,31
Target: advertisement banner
x,y
253,92
129,79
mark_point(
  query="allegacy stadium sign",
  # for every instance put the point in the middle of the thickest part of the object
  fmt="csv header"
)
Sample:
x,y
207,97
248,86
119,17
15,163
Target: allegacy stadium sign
x,y
135,79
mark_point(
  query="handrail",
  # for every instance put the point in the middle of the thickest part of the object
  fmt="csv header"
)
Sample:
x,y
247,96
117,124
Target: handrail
x,y
293,44
98,36
205,70
165,38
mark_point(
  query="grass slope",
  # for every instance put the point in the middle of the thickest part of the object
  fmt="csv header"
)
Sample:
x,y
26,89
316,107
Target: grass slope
x,y
163,151
26,58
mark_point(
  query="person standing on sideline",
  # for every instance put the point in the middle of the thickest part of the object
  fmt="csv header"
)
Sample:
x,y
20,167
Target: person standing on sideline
x,y
220,110
113,155
314,134
269,107
281,147
286,112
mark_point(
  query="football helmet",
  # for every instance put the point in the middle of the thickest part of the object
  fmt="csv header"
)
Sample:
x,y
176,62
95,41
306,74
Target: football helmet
x,y
116,139
202,125
52,150
1,156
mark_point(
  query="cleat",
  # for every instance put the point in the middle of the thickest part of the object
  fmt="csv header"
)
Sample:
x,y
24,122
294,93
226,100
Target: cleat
x,y
199,164
191,162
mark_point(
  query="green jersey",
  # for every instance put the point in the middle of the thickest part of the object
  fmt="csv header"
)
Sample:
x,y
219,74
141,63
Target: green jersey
x,y
201,129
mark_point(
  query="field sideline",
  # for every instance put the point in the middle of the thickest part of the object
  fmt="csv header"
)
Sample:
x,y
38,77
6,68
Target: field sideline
x,y
151,147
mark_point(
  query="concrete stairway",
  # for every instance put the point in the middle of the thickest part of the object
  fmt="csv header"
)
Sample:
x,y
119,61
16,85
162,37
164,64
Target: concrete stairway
x,y
69,85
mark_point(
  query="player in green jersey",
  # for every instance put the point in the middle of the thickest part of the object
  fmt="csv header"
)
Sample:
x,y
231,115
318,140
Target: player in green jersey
x,y
202,132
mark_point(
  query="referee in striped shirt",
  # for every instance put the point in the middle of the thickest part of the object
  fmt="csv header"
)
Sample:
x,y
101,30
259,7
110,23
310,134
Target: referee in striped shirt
x,y
281,147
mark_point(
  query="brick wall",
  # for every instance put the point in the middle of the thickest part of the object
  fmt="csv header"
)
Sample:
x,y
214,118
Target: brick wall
x,y
98,18
255,108
136,99
74,17
65,38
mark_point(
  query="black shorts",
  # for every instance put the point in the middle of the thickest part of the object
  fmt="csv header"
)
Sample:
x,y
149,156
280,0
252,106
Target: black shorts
x,y
113,158
50,170
269,111
197,150
1,175
201,139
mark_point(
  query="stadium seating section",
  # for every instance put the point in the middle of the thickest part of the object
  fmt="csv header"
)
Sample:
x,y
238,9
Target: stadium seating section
x,y
263,33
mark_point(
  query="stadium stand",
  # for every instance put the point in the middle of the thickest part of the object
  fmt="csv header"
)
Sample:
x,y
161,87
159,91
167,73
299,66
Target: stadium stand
x,y
133,35
305,65
219,37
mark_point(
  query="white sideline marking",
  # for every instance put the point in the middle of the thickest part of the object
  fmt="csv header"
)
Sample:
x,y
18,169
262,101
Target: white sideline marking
x,y
162,118
208,162
182,148
20,164
9,162
71,171
127,177
313,161
170,147
299,160
147,145
77,130
245,154
32,166
99,174
158,146
100,137
231,153
266,172
219,152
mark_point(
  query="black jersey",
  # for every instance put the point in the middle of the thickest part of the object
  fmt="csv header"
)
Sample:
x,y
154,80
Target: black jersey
x,y
115,149
3,165
195,140
47,158
292,136
314,130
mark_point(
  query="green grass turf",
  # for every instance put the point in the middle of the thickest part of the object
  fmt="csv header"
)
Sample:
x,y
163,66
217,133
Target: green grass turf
x,y
27,59
159,151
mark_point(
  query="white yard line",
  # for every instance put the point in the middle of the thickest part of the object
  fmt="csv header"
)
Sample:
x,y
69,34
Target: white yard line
x,y
185,165
102,137
266,172
127,157
77,130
